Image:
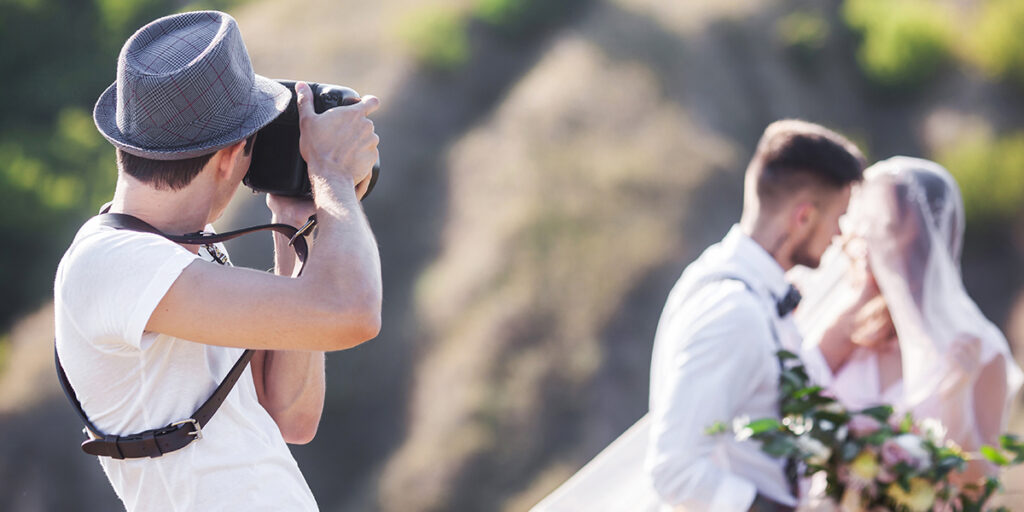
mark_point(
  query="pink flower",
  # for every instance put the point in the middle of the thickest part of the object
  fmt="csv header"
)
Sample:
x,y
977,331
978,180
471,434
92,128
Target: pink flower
x,y
862,425
906,448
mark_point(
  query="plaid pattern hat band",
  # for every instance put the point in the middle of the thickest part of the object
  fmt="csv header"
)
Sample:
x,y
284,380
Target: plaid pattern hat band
x,y
185,87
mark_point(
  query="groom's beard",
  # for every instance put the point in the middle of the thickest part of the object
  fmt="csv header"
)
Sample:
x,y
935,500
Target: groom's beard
x,y
804,254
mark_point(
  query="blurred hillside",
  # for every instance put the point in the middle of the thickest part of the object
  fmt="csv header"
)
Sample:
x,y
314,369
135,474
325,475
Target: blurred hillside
x,y
548,170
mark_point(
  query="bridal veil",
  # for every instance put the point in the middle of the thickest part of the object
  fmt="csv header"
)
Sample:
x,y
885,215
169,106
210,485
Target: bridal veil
x,y
910,215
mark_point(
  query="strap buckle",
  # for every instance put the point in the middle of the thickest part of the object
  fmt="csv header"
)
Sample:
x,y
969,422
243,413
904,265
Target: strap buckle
x,y
306,229
90,434
198,432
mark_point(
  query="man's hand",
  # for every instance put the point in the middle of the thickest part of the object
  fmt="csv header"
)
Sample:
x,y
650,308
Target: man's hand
x,y
339,145
363,186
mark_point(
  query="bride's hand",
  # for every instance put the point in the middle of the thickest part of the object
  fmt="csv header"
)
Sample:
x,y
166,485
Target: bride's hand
x,y
873,327
872,323
861,279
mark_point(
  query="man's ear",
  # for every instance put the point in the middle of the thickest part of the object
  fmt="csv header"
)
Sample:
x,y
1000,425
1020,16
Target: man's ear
x,y
227,157
804,214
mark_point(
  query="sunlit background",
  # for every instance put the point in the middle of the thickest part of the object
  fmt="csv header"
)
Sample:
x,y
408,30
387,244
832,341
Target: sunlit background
x,y
549,167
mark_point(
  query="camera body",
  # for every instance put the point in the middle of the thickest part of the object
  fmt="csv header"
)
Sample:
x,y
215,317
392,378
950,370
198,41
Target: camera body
x,y
277,166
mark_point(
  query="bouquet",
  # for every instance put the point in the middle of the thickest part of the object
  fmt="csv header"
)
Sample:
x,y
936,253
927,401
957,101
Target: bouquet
x,y
872,460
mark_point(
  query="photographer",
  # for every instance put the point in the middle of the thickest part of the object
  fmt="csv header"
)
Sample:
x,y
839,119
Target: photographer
x,y
147,329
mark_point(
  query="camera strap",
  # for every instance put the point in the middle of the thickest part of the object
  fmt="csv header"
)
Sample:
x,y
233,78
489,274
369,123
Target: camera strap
x,y
179,434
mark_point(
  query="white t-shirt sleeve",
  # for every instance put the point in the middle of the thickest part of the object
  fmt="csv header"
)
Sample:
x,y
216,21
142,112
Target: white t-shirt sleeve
x,y
112,280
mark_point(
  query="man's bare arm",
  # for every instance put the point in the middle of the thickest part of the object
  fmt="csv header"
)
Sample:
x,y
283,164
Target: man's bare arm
x,y
336,302
290,384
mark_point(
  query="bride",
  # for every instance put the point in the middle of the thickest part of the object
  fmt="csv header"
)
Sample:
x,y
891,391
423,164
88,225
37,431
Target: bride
x,y
920,343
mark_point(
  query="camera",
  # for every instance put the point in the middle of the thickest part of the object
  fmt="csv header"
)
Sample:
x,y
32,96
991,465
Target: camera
x,y
277,166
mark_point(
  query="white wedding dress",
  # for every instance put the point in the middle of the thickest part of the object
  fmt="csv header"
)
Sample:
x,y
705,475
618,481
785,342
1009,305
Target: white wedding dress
x,y
614,481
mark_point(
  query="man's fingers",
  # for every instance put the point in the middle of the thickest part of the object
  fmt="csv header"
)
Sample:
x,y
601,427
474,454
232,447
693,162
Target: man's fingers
x,y
362,186
304,98
368,104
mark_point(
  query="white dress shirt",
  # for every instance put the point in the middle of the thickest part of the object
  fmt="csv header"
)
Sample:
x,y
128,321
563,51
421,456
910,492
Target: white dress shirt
x,y
714,361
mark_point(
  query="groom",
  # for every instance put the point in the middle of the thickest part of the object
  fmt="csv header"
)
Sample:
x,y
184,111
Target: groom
x,y
714,352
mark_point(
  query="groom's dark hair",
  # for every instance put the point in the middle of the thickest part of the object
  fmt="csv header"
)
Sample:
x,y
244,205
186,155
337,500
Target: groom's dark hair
x,y
793,154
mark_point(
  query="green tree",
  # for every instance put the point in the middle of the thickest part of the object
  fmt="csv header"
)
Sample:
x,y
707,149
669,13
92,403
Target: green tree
x,y
436,37
904,42
55,168
990,171
997,41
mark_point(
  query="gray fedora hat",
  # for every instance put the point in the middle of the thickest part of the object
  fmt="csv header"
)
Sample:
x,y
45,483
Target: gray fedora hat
x,y
185,88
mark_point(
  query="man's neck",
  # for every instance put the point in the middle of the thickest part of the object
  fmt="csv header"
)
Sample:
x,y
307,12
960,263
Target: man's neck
x,y
767,233
171,211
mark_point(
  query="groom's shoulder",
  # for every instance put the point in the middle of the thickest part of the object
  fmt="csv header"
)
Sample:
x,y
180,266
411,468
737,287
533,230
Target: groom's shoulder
x,y
710,295
724,295
703,317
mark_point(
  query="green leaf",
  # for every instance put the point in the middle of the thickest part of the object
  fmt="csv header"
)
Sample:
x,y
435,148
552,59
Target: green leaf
x,y
779,447
880,413
1014,445
819,400
877,438
796,408
907,424
903,480
802,373
949,463
716,428
807,391
991,486
792,378
764,425
785,355
994,456
835,418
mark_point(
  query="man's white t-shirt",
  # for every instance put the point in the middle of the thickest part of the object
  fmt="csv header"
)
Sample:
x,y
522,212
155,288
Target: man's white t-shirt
x,y
129,380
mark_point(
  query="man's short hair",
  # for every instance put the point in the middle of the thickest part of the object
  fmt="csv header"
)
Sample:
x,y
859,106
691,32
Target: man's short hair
x,y
794,154
168,174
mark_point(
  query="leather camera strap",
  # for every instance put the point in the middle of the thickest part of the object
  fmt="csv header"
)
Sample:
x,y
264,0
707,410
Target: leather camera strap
x,y
177,435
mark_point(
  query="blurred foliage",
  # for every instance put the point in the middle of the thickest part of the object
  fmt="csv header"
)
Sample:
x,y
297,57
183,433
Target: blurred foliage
x,y
523,17
55,168
990,171
803,34
436,37
904,42
997,41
